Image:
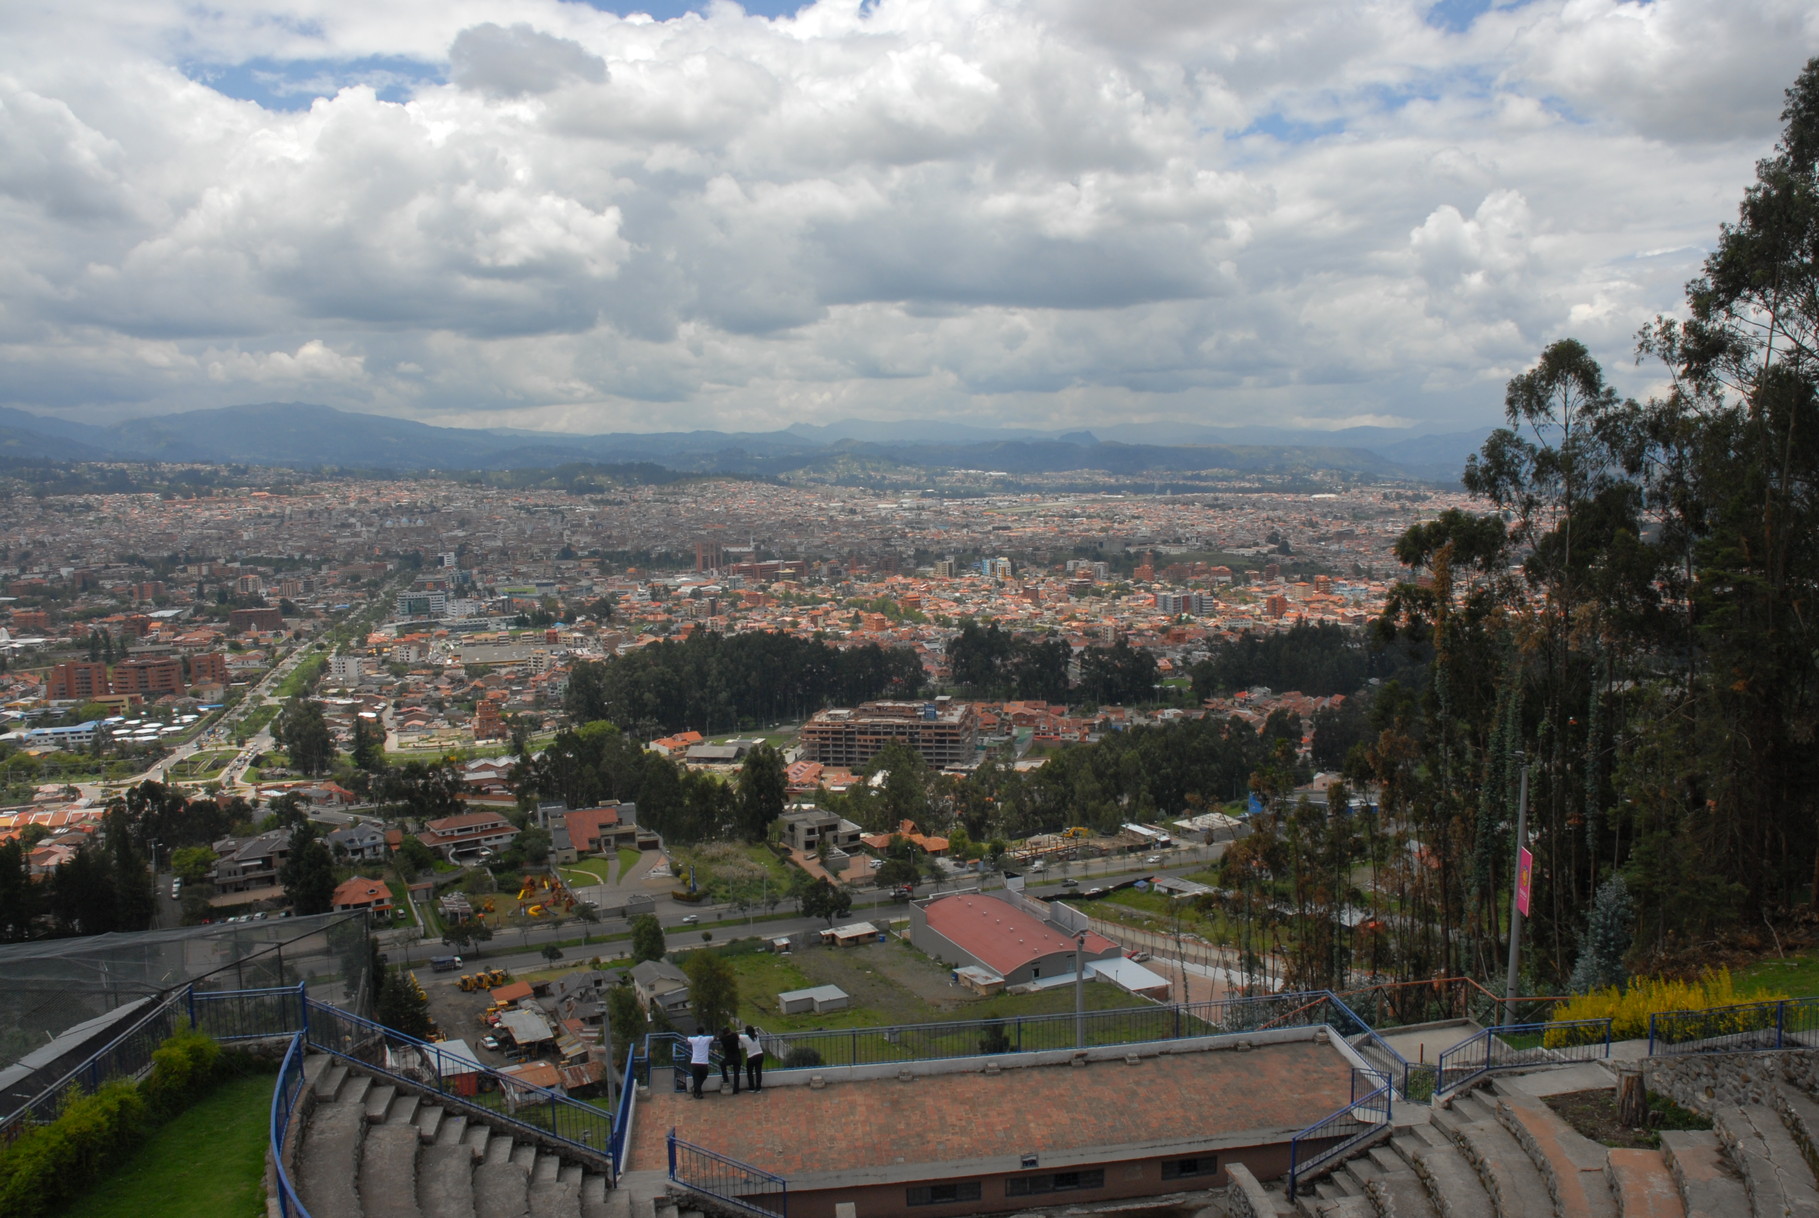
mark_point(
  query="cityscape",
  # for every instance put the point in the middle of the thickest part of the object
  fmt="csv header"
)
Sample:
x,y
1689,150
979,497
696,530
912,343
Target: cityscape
x,y
887,609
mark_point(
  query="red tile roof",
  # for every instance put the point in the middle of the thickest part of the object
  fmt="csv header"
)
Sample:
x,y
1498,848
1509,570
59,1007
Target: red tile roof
x,y
1002,937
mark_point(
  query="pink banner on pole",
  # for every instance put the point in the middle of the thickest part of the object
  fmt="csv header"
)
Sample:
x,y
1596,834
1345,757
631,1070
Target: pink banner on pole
x,y
1525,878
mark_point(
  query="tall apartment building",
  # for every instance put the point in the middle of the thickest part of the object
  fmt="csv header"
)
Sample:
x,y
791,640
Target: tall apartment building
x,y
78,680
346,669
163,675
945,733
209,668
255,619
1197,603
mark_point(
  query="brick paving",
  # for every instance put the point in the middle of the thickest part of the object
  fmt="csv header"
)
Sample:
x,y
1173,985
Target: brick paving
x,y
793,1129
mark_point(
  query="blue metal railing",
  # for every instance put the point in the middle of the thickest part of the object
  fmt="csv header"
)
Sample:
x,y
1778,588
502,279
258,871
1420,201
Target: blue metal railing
x,y
1739,1027
284,1105
622,1116
740,1186
1031,1033
249,1014
1508,1046
1337,1133
1402,1071
128,1055
460,1081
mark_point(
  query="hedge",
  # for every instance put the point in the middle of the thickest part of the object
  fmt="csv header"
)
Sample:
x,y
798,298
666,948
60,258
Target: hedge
x,y
49,1165
1629,1009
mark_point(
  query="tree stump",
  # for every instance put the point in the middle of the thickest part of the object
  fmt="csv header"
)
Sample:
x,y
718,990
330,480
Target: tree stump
x,y
1632,1099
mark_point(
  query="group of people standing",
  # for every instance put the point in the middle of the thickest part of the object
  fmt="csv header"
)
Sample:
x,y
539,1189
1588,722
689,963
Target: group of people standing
x,y
737,1050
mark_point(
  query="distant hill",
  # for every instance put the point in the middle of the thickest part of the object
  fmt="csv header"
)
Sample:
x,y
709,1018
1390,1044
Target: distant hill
x,y
305,435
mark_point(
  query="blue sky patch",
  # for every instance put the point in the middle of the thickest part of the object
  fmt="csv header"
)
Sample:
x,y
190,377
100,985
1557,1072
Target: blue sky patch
x,y
294,84
1457,15
1286,130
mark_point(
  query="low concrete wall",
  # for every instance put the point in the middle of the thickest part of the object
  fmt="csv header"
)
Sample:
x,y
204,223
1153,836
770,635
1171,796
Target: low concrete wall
x,y
1246,1198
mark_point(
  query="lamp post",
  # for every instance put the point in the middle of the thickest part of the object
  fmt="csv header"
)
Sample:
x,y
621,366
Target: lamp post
x,y
1516,893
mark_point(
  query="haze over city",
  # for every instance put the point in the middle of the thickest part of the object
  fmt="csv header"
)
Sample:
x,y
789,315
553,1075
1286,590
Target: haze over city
x,y
553,216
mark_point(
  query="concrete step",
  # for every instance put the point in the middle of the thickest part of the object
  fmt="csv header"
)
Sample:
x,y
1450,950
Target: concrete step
x,y
596,1198
379,1102
445,1181
1453,1187
1709,1186
555,1193
524,1155
429,1122
498,1148
328,1081
1514,1183
1642,1185
1801,1115
502,1189
1765,1154
328,1159
388,1172
1572,1165
404,1109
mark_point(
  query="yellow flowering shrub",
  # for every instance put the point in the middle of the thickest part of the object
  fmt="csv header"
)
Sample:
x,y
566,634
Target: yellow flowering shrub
x,y
1630,1009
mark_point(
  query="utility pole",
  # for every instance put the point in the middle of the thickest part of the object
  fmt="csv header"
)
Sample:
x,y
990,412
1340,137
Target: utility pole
x,y
1517,894
1080,991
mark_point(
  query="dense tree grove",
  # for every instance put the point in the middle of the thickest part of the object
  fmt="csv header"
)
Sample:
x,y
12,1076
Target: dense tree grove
x,y
991,662
717,683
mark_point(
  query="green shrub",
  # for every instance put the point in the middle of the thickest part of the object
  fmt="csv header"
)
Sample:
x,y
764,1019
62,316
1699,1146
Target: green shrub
x,y
47,1165
184,1068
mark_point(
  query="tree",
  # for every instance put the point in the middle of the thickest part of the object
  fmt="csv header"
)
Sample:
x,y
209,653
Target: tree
x,y
467,934
824,900
551,952
1605,940
713,989
192,864
894,872
762,789
368,747
647,939
308,873
305,737
624,1013
402,1004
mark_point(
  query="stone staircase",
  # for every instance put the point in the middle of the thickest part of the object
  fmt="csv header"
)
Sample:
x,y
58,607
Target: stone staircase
x,y
1501,1152
363,1147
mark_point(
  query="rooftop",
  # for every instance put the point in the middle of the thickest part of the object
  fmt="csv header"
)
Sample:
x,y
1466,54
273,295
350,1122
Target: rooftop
x,y
953,1111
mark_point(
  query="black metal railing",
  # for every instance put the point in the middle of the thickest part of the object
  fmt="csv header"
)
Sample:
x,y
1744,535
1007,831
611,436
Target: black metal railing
x,y
737,1185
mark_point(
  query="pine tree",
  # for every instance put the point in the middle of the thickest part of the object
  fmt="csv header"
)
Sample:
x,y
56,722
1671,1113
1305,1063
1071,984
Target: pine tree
x,y
1605,940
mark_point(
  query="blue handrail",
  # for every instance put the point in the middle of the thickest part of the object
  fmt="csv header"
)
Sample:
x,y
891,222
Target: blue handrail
x,y
284,1101
1738,1027
1490,1049
1359,1119
739,1186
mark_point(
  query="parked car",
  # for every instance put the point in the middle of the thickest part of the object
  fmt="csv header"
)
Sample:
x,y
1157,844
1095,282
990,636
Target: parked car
x,y
1139,957
1153,859
490,1042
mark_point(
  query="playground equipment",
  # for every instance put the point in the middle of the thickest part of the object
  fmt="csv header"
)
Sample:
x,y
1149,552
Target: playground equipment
x,y
535,911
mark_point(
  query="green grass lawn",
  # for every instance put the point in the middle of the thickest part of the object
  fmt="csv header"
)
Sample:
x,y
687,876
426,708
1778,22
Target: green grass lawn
x,y
628,859
208,1163
1796,975
596,868
401,899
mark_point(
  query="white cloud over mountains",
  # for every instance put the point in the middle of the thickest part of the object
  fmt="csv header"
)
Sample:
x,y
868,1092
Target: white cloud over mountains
x,y
1051,213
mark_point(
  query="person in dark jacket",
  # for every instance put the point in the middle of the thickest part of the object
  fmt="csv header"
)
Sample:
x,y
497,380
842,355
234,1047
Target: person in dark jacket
x,y
730,1058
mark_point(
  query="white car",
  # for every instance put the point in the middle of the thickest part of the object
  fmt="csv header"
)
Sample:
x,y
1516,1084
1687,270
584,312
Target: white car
x,y
1153,859
690,919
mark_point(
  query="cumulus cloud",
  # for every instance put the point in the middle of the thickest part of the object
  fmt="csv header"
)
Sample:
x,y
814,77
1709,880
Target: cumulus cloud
x,y
1043,212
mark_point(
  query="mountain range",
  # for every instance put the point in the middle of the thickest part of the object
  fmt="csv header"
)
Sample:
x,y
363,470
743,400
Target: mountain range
x,y
307,436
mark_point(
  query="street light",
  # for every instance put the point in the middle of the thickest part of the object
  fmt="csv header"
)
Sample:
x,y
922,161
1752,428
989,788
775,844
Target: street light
x,y
1080,991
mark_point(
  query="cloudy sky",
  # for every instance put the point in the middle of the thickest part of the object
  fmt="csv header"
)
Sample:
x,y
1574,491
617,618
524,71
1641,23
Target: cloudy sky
x,y
1052,213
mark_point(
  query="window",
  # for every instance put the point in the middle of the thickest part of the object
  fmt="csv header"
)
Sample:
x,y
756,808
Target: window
x,y
1203,1165
943,1194
1054,1182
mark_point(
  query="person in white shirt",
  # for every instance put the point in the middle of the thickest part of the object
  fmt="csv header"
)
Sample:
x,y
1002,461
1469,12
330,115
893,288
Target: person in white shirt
x,y
700,1058
754,1058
